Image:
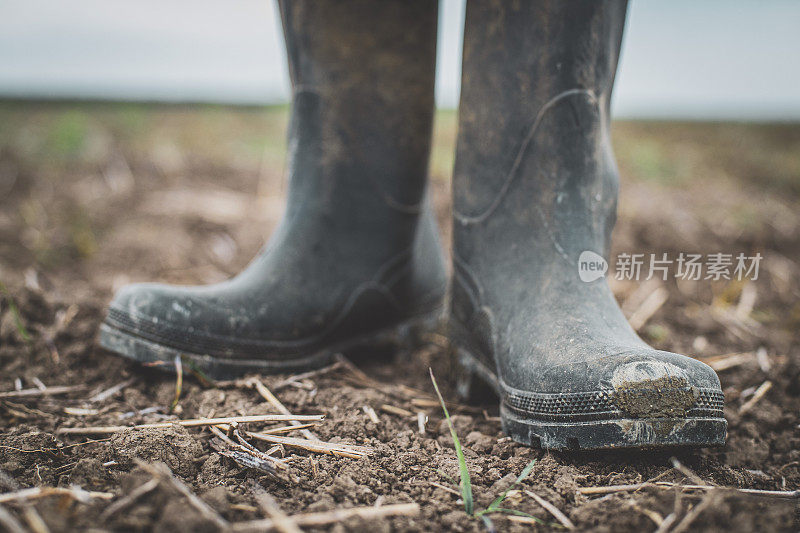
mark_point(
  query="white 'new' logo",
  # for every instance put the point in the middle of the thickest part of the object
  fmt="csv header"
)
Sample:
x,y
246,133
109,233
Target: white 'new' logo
x,y
591,266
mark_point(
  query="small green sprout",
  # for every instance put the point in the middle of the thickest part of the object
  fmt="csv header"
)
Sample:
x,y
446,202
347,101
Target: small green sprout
x,y
466,485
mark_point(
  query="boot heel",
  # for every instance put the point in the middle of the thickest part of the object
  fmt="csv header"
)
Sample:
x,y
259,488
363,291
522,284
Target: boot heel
x,y
412,334
471,386
408,337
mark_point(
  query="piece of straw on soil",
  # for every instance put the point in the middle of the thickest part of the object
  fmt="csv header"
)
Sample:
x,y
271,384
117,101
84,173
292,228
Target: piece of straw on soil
x,y
394,410
22,411
724,362
80,411
192,422
410,391
649,306
789,494
426,403
244,507
278,405
655,517
610,489
111,391
29,512
552,509
307,375
32,517
41,492
246,459
528,520
332,517
306,385
247,446
330,448
744,330
708,500
49,391
281,520
248,449
444,488
371,414
422,418
763,360
35,521
757,395
162,471
279,429
686,471
9,522
346,363
275,449
667,522
130,498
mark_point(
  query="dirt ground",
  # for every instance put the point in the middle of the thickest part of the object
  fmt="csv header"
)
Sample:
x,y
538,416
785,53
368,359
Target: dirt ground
x,y
95,196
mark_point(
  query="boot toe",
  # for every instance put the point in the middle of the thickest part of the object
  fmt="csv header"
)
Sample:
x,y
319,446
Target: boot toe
x,y
155,312
640,398
631,365
663,384
655,366
150,303
639,383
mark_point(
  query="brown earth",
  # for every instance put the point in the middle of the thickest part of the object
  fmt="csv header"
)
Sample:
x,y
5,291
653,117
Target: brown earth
x,y
96,196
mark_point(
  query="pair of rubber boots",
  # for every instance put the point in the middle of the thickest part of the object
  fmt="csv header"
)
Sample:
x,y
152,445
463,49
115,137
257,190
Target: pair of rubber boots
x,y
357,255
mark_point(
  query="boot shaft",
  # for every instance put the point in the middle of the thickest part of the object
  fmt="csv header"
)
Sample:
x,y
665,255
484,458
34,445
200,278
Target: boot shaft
x,y
533,150
363,88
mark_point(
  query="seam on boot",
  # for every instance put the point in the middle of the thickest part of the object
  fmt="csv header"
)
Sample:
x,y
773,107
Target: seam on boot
x,y
512,173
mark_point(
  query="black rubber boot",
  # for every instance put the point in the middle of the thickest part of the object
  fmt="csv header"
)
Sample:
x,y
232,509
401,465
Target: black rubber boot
x,y
356,256
535,185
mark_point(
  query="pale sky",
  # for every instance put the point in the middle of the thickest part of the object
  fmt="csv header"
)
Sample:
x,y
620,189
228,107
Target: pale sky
x,y
732,59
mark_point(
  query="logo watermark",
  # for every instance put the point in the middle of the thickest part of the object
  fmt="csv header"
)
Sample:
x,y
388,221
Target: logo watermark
x,y
591,266
685,266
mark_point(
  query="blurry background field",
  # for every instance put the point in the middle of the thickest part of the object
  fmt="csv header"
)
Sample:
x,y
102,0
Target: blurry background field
x,y
66,165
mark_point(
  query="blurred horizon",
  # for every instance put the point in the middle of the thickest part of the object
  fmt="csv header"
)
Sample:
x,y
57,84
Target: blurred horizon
x,y
712,60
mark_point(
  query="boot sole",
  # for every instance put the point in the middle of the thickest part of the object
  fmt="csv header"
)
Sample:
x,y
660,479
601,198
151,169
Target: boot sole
x,y
141,350
608,433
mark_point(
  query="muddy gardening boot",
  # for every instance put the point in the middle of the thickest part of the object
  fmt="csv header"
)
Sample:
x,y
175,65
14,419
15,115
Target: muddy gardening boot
x,y
535,186
356,257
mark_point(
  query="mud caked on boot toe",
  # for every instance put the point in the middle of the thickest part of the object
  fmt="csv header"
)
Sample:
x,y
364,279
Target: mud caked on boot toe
x,y
356,255
535,186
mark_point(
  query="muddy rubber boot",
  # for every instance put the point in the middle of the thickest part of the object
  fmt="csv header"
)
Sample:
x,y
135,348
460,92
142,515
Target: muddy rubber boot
x,y
356,256
535,186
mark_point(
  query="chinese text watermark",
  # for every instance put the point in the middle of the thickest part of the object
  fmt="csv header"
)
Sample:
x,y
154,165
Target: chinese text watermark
x,y
685,266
